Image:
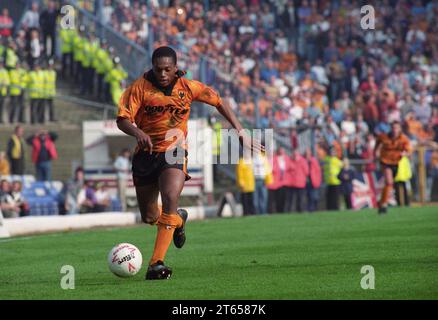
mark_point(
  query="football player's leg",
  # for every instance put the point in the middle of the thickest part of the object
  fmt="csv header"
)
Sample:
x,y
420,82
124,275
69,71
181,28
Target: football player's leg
x,y
147,198
171,183
387,189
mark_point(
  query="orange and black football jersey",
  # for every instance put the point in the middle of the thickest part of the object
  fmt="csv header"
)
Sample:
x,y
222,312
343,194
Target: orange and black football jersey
x,y
392,148
164,115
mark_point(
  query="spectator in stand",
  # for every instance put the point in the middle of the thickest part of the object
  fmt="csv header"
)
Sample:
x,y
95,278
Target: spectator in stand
x,y
103,198
297,179
35,50
4,165
337,113
277,189
31,18
43,153
314,181
107,12
336,74
87,201
47,22
400,58
122,165
370,112
7,204
422,110
346,177
22,45
18,198
6,24
72,190
16,151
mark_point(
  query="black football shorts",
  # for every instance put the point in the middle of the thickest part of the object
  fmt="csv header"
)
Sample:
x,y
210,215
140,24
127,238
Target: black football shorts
x,y
393,167
146,167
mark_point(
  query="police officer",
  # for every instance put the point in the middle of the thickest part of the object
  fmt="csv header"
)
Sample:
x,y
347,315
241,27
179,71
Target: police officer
x,y
17,84
11,57
49,88
35,87
2,48
91,71
108,66
78,54
86,63
4,84
116,78
100,61
67,36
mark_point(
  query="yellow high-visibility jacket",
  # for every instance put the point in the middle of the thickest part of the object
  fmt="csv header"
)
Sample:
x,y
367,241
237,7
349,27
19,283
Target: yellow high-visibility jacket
x,y
4,82
245,176
36,84
332,168
17,83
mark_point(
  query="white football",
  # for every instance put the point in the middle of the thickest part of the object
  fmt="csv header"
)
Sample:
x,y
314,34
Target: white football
x,y
125,260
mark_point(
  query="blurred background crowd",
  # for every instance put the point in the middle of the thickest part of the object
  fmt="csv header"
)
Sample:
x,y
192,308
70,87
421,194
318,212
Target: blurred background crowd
x,y
306,68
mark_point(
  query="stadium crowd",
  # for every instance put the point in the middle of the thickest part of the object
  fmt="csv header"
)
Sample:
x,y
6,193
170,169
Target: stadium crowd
x,y
28,67
27,71
307,67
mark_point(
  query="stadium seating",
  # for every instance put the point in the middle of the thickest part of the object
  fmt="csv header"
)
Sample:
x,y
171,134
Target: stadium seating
x,y
43,197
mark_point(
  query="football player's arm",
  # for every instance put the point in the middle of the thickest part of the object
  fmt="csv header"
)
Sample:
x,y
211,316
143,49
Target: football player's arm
x,y
245,140
205,94
407,148
143,140
129,104
377,148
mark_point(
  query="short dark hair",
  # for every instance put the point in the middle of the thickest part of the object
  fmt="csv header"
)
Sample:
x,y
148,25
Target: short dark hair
x,y
79,169
164,51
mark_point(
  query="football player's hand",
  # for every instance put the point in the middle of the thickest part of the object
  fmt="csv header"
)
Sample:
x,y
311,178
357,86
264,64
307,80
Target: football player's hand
x,y
376,154
144,141
251,144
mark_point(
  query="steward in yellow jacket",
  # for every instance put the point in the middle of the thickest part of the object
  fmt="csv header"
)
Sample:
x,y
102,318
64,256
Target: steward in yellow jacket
x,y
17,84
4,85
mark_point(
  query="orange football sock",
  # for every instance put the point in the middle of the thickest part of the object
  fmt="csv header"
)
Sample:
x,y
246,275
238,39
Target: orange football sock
x,y
385,195
166,227
160,209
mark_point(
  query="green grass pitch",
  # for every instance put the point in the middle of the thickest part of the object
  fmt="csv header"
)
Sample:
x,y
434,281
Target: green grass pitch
x,y
288,256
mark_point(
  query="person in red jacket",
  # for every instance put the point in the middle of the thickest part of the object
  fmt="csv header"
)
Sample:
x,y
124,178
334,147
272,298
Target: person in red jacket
x,y
43,152
313,181
277,189
296,181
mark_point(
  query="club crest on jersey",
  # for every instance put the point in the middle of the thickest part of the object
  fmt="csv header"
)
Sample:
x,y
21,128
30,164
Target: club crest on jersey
x,y
181,94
